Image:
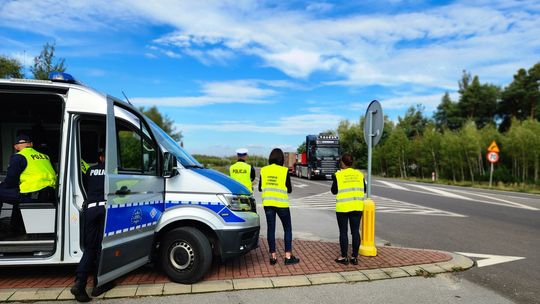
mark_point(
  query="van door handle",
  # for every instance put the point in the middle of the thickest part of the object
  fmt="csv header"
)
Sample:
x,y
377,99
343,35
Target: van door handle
x,y
123,191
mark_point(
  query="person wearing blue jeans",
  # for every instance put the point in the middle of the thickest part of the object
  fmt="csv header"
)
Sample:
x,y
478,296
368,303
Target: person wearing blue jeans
x,y
275,185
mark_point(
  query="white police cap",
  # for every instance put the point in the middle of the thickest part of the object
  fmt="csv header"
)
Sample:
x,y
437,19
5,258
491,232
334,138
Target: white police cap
x,y
242,152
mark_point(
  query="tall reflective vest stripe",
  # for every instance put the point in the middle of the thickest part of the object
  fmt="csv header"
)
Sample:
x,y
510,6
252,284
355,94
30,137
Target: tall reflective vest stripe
x,y
38,173
350,196
273,185
241,172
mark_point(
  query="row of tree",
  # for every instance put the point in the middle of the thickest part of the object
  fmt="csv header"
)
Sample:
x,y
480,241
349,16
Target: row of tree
x,y
453,143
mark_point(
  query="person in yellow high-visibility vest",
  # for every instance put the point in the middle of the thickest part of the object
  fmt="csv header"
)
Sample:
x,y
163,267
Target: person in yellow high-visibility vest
x,y
349,186
241,171
275,184
30,178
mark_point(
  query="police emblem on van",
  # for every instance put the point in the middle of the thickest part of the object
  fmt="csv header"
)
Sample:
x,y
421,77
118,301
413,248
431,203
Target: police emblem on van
x,y
136,217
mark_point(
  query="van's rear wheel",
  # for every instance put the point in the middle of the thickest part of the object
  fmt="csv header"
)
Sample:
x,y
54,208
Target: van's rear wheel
x,y
186,255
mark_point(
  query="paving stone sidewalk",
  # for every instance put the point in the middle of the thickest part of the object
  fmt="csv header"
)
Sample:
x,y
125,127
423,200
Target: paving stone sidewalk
x,y
251,271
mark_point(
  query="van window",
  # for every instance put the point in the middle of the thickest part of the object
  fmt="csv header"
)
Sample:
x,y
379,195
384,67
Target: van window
x,y
172,147
137,152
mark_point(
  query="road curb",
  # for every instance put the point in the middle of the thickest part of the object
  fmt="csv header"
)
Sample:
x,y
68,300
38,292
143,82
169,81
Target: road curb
x,y
456,264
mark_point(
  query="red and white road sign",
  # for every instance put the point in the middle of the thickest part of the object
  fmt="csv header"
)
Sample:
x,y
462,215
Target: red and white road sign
x,y
492,157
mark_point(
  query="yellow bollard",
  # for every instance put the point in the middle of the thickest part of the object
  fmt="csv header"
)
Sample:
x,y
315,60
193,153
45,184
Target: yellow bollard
x,y
367,245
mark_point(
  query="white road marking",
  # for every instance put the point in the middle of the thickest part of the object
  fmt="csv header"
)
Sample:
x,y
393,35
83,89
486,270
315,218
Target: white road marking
x,y
326,201
491,259
508,203
441,192
301,186
444,192
392,185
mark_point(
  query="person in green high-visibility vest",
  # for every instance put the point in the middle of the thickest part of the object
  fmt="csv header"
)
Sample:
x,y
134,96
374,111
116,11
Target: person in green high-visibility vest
x,y
241,171
349,186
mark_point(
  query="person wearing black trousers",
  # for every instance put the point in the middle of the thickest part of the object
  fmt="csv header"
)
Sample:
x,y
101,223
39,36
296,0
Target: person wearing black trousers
x,y
94,216
349,186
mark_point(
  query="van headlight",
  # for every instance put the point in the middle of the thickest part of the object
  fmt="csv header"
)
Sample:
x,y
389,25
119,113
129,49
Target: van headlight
x,y
238,202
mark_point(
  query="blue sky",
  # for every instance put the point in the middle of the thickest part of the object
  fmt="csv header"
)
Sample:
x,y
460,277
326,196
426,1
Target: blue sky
x,y
263,74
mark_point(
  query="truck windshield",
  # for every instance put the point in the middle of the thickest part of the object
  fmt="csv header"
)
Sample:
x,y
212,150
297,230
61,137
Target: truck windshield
x,y
327,152
172,147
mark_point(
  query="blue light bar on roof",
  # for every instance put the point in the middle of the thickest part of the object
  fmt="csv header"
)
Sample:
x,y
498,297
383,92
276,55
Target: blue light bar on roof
x,y
61,77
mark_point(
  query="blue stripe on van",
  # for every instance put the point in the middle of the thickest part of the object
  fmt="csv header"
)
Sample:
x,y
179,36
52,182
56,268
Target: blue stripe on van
x,y
229,183
127,217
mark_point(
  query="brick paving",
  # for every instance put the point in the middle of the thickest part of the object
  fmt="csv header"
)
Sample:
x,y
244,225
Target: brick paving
x,y
315,257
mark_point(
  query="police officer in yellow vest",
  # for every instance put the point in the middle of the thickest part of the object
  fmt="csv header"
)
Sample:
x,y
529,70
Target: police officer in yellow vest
x,y
30,177
241,171
275,184
349,186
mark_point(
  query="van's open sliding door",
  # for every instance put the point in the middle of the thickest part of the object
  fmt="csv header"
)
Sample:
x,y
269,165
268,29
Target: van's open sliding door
x,y
134,191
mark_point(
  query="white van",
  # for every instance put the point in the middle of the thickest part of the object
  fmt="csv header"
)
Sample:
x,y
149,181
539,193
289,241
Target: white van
x,y
162,205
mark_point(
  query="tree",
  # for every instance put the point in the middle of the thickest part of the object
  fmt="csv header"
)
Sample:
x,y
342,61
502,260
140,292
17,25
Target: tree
x,y
163,121
414,122
351,140
45,63
521,99
10,68
477,101
447,114
301,148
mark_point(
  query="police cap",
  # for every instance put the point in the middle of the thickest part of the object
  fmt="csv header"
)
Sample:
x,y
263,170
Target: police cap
x,y
241,152
22,139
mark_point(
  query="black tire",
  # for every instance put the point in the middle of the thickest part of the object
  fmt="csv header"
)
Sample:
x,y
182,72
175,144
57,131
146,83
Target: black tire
x,y
186,255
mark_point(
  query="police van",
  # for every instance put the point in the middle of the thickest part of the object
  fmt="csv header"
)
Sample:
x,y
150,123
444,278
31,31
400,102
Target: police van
x,y
162,205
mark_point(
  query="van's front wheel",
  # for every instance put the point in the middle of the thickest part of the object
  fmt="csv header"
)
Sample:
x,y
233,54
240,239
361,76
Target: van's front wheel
x,y
186,255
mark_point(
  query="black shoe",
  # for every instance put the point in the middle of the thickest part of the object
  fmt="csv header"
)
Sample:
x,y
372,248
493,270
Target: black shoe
x,y
273,261
97,291
79,291
343,261
354,261
292,260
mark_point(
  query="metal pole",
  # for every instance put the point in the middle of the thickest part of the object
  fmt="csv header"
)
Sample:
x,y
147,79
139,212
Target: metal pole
x,y
491,175
370,144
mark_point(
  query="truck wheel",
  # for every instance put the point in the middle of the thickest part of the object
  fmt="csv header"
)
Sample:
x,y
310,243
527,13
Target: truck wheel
x,y
186,255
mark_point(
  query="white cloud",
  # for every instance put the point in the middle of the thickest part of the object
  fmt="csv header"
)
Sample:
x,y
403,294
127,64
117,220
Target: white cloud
x,y
288,125
430,103
240,91
426,47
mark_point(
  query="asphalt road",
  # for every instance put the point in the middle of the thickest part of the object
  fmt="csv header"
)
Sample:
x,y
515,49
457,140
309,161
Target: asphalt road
x,y
456,219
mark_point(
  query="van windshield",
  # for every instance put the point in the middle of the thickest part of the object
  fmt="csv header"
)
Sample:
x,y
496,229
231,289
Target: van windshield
x,y
172,147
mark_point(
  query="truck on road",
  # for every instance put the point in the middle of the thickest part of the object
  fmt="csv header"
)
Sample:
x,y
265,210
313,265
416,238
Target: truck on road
x,y
321,158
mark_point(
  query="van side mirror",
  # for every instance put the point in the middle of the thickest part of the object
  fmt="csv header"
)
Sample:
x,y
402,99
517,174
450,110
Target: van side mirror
x,y
170,166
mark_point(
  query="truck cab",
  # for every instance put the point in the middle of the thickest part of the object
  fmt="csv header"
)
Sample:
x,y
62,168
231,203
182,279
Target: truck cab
x,y
321,158
162,205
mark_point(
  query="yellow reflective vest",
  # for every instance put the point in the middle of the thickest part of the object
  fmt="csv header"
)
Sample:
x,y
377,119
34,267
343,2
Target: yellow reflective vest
x,y
350,196
241,172
38,173
84,166
273,185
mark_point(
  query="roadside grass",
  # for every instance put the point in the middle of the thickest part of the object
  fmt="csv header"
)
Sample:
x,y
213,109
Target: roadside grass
x,y
457,269
425,274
